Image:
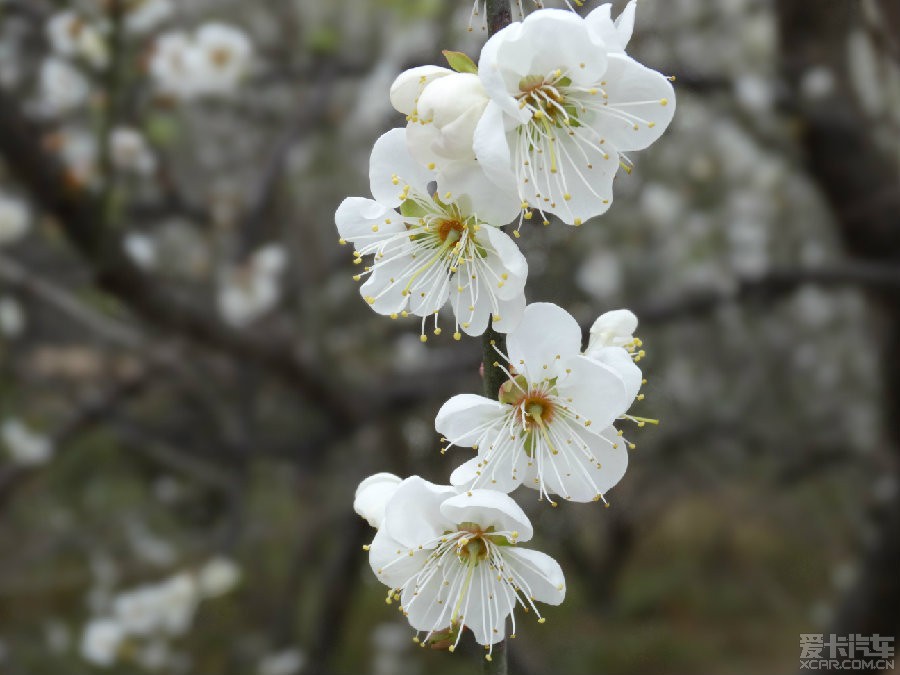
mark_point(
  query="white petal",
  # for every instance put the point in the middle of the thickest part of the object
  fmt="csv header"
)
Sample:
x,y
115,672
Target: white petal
x,y
356,216
413,516
504,258
391,167
542,574
466,472
579,184
585,468
500,79
490,202
598,393
409,84
391,560
462,419
621,362
383,290
641,105
625,23
373,494
489,604
613,328
472,315
488,508
492,147
511,312
429,606
616,34
546,330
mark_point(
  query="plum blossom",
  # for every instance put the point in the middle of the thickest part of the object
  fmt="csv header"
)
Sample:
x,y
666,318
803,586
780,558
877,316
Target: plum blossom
x,y
431,246
14,219
373,494
212,62
101,641
452,560
130,151
220,58
552,427
218,577
62,87
145,15
72,36
443,109
566,103
12,317
248,291
24,445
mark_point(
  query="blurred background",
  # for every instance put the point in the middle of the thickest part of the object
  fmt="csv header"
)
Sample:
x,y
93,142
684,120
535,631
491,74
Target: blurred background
x,y
191,387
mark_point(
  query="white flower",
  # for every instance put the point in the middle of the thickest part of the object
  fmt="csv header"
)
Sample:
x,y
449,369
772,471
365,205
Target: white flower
x,y
12,317
220,58
142,249
62,87
443,109
78,151
166,607
14,219
565,104
138,610
433,248
552,427
169,65
24,446
178,600
145,15
452,559
250,290
218,577
212,62
130,151
101,641
287,662
72,36
372,495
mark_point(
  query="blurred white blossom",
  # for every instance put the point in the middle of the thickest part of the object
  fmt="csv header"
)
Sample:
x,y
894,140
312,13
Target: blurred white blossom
x,y
248,291
130,152
72,36
287,662
101,641
212,62
12,317
146,15
14,219
218,577
25,446
62,86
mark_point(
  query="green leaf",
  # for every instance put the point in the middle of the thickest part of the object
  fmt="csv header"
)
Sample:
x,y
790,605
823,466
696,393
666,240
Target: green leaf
x,y
460,62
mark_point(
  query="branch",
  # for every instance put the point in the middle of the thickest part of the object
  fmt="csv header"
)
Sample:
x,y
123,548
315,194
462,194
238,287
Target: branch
x,y
80,212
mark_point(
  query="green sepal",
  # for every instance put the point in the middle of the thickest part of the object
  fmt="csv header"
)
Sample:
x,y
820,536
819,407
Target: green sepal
x,y
460,62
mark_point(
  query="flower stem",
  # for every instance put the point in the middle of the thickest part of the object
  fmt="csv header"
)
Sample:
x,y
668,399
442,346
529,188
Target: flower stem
x,y
499,15
491,341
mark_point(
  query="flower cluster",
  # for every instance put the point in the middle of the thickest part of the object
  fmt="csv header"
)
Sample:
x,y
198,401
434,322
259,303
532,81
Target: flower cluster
x,y
142,617
541,125
211,62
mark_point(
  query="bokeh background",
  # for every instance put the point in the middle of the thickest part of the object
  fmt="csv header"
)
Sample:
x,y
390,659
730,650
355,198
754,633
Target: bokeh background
x,y
187,372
